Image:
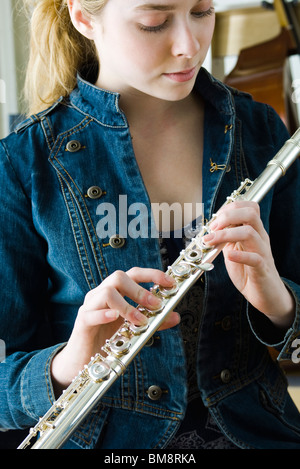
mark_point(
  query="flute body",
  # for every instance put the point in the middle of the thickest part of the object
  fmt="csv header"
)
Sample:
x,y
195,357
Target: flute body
x,y
66,414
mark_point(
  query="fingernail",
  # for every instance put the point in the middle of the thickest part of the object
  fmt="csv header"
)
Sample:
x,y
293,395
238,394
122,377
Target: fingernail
x,y
140,317
153,300
213,226
112,314
169,279
209,237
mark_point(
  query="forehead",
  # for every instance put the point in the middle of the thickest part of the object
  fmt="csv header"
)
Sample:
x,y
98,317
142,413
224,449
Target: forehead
x,y
162,5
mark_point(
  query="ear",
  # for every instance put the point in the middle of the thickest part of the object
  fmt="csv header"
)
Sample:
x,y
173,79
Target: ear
x,y
81,21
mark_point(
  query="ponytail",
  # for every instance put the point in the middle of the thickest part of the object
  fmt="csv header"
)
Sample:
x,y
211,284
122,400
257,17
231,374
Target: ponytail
x,y
57,52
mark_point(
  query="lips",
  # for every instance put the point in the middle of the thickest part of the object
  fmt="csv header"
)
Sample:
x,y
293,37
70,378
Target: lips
x,y
182,76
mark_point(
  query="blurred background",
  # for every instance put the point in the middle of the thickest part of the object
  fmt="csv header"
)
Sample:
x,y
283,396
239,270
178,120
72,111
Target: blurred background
x,y
14,43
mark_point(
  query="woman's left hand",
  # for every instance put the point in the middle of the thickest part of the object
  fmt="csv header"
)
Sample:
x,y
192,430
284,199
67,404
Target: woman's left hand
x,y
249,260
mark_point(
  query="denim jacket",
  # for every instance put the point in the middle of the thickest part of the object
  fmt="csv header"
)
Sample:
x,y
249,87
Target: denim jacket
x,y
57,168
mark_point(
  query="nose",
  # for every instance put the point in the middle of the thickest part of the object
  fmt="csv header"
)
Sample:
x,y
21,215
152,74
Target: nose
x,y
185,41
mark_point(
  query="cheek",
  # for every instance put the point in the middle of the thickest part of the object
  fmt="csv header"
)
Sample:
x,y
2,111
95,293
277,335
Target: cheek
x,y
205,38
211,29
144,54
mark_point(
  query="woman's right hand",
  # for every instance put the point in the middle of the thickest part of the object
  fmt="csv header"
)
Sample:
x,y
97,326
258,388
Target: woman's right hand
x,y
102,313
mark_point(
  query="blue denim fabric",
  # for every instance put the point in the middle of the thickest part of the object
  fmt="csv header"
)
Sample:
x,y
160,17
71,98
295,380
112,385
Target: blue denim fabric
x,y
52,255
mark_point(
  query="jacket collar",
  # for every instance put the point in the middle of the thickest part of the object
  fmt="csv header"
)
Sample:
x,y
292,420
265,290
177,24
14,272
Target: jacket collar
x,y
104,107
101,104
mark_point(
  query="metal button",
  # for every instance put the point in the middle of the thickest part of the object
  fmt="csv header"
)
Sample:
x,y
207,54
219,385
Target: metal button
x,y
181,270
120,345
73,145
226,323
154,393
99,371
94,192
225,376
194,255
167,292
150,342
116,241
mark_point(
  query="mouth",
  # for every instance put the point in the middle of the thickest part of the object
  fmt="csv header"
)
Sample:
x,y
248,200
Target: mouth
x,y
182,76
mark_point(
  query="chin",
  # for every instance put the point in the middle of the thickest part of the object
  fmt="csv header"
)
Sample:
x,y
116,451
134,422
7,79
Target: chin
x,y
178,95
171,92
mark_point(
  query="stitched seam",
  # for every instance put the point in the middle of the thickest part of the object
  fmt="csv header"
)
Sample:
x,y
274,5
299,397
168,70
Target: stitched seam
x,y
50,129
83,244
76,128
216,416
75,237
22,392
45,134
92,225
116,95
48,385
46,372
165,435
142,376
136,377
153,410
238,384
129,389
124,126
87,437
88,231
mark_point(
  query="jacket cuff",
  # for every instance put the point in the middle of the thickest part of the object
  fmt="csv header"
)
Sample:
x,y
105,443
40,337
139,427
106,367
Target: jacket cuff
x,y
284,340
36,385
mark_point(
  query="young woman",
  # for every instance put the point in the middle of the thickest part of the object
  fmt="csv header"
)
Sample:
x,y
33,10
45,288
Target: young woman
x,y
121,110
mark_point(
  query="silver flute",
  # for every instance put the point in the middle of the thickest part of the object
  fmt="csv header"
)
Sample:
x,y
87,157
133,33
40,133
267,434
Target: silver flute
x,y
85,391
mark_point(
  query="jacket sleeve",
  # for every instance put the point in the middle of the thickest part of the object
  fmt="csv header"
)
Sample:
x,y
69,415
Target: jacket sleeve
x,y
284,228
25,386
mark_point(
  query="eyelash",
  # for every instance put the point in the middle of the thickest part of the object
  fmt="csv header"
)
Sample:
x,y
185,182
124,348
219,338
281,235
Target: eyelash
x,y
161,27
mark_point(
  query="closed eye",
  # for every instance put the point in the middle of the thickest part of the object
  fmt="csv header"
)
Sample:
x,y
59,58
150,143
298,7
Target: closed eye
x,y
203,14
154,29
160,27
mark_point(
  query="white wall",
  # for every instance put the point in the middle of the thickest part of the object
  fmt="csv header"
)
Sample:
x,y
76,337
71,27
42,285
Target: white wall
x,y
13,57
8,103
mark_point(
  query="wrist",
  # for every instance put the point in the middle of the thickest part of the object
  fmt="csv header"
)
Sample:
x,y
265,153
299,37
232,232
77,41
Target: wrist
x,y
60,381
64,368
284,315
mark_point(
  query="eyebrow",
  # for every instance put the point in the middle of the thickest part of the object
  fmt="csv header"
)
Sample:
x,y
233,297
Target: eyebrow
x,y
159,7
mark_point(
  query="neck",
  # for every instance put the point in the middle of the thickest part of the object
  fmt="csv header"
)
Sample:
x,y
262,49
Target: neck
x,y
146,111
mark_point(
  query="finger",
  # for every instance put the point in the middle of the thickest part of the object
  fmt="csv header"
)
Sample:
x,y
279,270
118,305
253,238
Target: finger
x,y
233,215
238,213
96,318
92,318
142,275
243,234
173,319
250,259
126,284
239,204
110,300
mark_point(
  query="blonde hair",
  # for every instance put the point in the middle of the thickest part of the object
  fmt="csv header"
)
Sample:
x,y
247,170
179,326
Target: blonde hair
x,y
57,51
